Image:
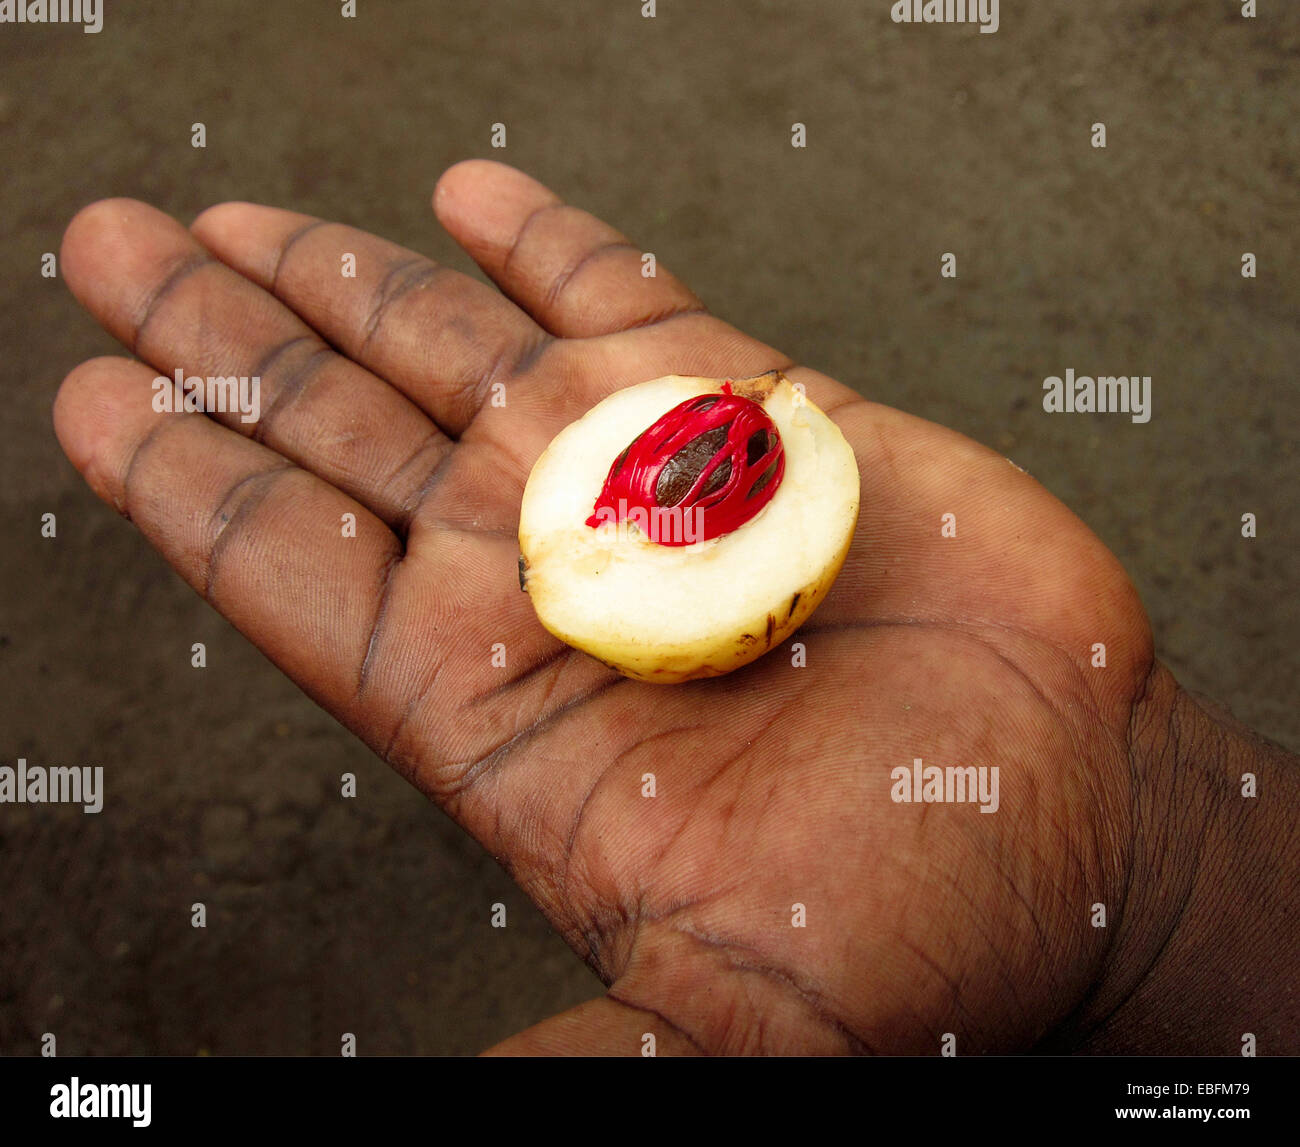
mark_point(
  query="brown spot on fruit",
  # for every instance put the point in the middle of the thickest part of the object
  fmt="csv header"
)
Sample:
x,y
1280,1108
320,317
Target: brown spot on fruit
x,y
793,602
759,388
523,572
771,627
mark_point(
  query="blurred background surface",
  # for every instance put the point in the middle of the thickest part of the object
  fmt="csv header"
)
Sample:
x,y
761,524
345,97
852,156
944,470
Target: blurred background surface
x,y
372,916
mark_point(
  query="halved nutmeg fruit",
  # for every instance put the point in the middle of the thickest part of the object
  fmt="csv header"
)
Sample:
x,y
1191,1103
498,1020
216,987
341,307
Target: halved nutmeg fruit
x,y
685,526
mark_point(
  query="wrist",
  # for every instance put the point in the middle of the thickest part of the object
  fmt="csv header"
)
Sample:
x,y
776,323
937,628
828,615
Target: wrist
x,y
1207,933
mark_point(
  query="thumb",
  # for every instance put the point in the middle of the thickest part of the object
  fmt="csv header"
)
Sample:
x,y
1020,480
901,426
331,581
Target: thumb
x,y
599,1027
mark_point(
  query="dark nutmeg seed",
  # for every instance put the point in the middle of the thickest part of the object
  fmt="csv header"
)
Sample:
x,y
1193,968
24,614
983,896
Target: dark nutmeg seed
x,y
684,468
760,442
763,480
719,478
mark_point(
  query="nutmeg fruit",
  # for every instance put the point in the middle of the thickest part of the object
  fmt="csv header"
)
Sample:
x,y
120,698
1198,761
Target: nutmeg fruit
x,y
685,526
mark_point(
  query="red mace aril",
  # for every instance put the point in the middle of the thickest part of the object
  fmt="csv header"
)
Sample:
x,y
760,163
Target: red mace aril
x,y
716,460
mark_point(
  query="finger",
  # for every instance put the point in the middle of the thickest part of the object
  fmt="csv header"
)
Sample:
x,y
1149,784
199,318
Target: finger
x,y
143,276
259,538
574,274
395,645
442,338
598,1027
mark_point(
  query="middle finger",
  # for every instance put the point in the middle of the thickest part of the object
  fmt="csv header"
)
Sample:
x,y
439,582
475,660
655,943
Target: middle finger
x,y
447,341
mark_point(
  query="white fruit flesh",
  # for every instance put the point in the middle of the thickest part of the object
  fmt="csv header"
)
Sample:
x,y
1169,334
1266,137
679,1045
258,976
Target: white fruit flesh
x,y
670,613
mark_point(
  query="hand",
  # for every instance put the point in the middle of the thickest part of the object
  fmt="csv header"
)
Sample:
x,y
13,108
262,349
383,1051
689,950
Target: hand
x,y
772,784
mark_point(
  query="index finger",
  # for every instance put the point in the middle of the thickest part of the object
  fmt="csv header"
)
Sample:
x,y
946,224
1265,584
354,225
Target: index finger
x,y
440,337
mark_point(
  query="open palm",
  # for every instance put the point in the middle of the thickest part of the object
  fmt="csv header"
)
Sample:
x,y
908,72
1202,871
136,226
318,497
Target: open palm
x,y
769,896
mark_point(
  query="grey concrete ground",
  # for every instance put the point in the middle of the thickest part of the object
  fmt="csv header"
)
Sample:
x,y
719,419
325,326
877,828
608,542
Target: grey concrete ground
x,y
677,129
